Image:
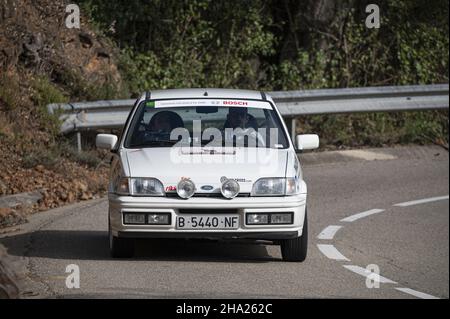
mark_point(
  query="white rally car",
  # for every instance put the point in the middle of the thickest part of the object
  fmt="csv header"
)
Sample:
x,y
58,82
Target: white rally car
x,y
207,163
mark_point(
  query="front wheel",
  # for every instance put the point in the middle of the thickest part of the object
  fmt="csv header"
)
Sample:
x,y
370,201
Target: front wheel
x,y
120,247
296,249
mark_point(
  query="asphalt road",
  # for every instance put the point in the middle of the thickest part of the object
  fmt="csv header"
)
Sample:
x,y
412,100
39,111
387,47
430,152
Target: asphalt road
x,y
409,244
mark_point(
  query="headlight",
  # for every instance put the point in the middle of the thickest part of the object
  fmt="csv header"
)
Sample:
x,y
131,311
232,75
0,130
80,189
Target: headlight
x,y
185,188
147,187
276,187
230,188
269,187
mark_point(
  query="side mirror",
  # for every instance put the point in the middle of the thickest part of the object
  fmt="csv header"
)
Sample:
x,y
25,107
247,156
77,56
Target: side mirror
x,y
106,141
307,142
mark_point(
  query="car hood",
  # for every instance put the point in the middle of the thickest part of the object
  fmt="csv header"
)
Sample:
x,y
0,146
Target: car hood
x,y
206,166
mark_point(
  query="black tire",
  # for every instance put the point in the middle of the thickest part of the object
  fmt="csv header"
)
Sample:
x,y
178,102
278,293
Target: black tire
x,y
296,249
120,247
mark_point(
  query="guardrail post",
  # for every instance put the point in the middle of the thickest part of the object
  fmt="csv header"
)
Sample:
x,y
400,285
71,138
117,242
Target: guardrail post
x,y
293,129
79,141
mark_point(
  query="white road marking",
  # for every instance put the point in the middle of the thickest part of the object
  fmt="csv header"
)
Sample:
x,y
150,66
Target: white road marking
x,y
417,294
364,272
329,232
354,217
331,252
421,201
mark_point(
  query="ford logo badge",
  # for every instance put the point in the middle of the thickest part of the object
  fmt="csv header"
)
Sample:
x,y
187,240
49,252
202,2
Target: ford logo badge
x,y
206,187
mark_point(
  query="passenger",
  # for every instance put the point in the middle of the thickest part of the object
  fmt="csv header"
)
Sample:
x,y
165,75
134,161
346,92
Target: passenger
x,y
239,117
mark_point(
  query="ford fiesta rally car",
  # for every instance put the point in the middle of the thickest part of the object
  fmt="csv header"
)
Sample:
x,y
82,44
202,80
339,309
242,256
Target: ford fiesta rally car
x,y
207,163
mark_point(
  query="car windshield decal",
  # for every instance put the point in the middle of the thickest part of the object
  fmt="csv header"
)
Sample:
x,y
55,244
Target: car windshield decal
x,y
213,102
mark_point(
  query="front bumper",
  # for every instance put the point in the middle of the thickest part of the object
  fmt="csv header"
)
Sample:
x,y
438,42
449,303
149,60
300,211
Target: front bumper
x,y
123,204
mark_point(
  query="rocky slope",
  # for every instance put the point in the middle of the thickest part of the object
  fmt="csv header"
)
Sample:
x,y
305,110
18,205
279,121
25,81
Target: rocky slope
x,y
42,61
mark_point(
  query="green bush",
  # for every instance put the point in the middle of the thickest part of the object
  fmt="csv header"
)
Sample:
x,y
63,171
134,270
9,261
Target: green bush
x,y
80,89
45,157
44,93
9,92
378,129
193,48
90,158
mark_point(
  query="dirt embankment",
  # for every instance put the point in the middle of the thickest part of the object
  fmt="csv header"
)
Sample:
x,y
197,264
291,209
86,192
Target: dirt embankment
x,y
41,62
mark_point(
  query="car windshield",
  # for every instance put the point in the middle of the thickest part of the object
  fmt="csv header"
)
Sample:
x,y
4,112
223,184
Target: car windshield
x,y
216,123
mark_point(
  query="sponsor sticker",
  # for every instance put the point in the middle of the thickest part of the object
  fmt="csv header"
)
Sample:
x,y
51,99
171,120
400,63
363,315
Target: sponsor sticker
x,y
212,102
171,189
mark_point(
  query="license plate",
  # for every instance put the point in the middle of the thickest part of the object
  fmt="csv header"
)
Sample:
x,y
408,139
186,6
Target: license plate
x,y
208,222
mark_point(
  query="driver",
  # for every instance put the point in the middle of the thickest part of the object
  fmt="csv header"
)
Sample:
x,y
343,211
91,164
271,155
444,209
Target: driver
x,y
165,122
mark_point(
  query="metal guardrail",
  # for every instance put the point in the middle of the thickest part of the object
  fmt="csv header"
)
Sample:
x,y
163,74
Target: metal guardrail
x,y
357,100
82,116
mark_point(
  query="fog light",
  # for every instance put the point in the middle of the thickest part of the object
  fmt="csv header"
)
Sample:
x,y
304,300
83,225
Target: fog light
x,y
134,218
230,188
185,188
282,218
158,219
257,219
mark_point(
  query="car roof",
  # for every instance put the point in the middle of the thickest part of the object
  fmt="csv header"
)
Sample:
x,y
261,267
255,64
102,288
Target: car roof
x,y
208,93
